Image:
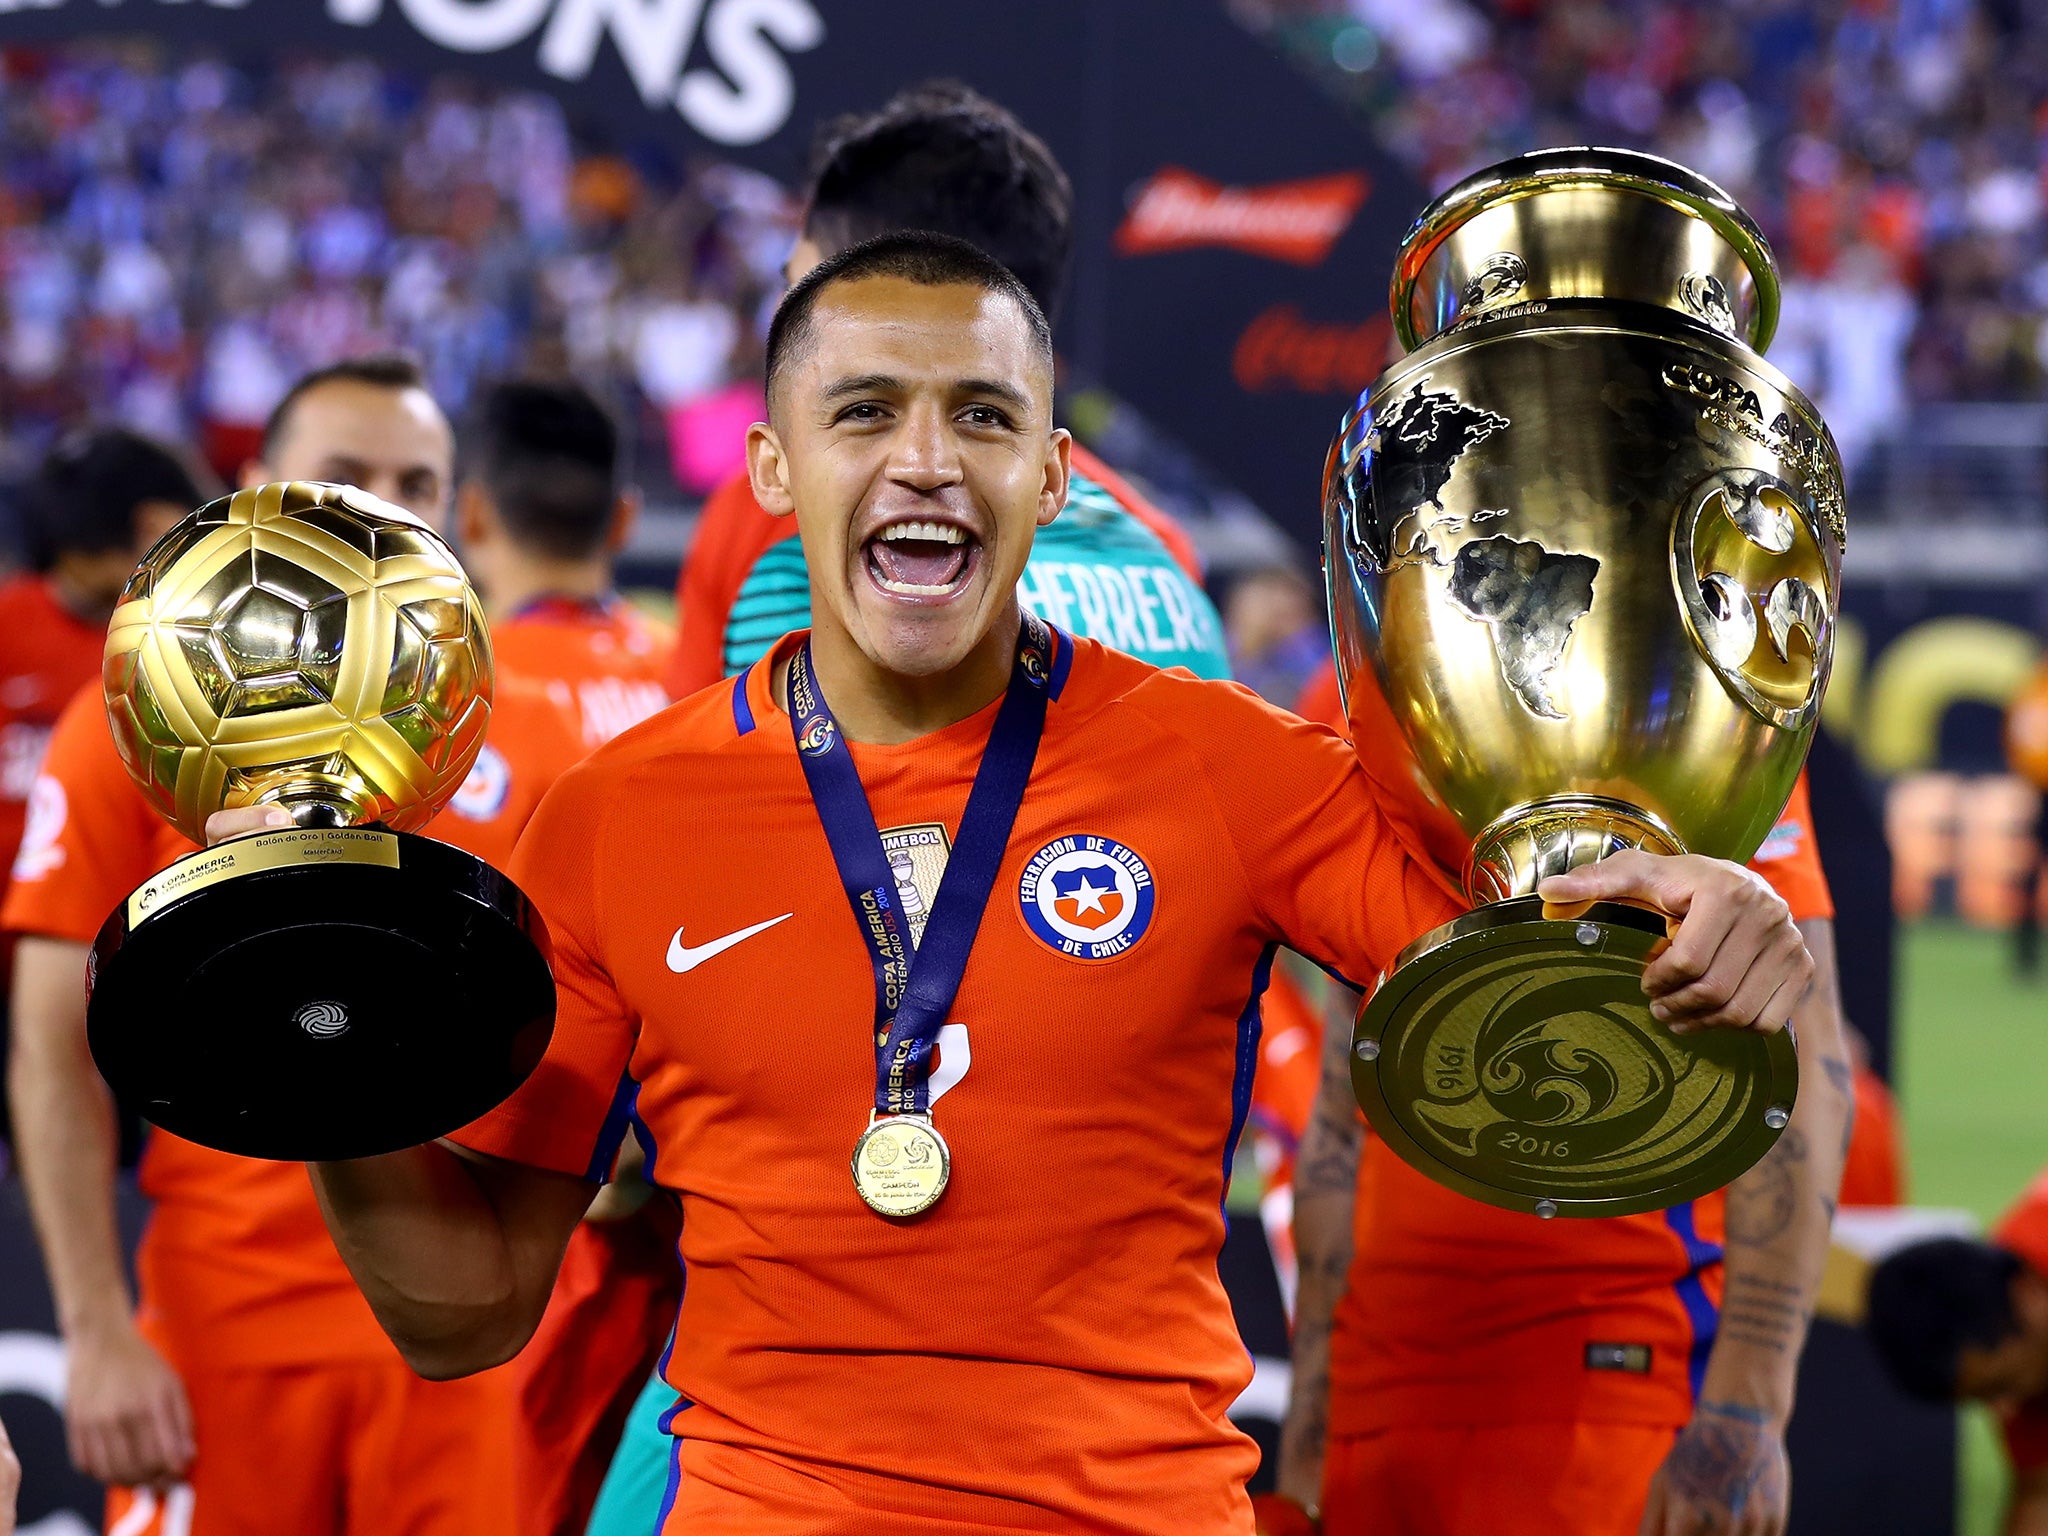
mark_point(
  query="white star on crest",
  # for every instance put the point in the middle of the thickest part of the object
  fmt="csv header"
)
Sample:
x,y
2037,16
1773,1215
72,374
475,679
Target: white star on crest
x,y
1088,898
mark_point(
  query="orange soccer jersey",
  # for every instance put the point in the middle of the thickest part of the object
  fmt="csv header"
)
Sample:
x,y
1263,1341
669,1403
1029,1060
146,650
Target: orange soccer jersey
x,y
601,658
1050,1348
236,1270
1459,1314
48,655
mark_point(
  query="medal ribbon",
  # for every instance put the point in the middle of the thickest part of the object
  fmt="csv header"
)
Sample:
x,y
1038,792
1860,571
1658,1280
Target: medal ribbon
x,y
914,989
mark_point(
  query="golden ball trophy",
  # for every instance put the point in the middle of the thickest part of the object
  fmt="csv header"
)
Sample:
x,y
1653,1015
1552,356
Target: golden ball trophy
x,y
342,987
1583,547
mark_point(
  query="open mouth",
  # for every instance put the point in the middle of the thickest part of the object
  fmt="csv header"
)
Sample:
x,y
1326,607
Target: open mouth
x,y
922,560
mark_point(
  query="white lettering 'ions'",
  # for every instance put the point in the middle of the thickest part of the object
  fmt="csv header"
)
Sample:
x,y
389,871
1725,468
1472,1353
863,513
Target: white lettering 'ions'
x,y
762,91
475,26
743,99
652,36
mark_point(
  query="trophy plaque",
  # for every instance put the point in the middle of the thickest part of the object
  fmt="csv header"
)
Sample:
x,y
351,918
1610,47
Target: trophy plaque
x,y
342,987
1583,549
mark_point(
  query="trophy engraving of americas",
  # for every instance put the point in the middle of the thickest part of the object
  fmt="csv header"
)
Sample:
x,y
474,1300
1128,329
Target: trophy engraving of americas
x,y
1583,547
342,987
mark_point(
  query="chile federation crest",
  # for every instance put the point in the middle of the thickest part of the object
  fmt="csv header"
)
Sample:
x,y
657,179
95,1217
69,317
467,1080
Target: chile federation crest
x,y
1090,898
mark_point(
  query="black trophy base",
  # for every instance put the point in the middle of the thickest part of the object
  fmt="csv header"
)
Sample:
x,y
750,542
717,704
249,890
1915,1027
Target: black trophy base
x,y
309,995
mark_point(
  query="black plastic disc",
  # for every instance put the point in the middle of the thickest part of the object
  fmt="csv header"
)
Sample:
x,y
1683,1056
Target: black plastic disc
x,y
310,995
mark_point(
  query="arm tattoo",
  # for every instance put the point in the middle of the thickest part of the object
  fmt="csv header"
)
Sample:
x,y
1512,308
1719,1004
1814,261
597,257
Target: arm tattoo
x,y
1762,1204
1770,1314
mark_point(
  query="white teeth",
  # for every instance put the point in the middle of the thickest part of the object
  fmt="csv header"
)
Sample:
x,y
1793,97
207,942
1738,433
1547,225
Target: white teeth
x,y
912,588
938,533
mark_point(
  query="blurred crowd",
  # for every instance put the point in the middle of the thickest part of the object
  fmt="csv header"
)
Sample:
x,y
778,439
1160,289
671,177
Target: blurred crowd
x,y
1892,149
180,237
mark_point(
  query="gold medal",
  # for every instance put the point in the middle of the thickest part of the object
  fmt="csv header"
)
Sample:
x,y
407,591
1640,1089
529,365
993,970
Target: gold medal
x,y
901,1165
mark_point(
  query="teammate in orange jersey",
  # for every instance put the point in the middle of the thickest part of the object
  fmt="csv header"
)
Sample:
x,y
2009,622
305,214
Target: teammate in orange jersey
x,y
251,1391
1486,1369
1048,1347
1959,1320
540,519
100,498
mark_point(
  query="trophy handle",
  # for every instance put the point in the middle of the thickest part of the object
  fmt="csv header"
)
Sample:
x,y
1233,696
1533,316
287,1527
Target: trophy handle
x,y
1528,844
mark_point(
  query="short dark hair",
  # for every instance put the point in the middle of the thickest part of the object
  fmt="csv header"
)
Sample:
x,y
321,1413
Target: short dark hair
x,y
380,370
1931,1300
548,454
916,255
940,156
88,487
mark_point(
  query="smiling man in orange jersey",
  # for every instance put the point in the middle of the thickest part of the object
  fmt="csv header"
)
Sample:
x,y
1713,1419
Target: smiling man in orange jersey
x,y
1003,1311
250,1391
540,519
1488,1370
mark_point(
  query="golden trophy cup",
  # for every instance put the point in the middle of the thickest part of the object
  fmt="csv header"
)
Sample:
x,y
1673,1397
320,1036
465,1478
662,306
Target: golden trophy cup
x,y
342,987
1583,548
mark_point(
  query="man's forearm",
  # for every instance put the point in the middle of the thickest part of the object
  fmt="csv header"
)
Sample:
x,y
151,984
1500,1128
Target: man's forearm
x,y
66,1137
1779,1214
1325,1194
456,1256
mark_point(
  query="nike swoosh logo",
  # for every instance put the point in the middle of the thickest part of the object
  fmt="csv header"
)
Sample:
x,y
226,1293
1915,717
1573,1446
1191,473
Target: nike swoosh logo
x,y
681,959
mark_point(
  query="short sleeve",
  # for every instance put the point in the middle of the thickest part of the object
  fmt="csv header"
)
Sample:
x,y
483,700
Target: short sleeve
x,y
1790,860
1321,863
570,1114
91,838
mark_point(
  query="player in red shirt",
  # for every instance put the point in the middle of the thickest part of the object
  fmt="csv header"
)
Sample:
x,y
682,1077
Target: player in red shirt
x,y
1961,1320
540,518
100,498
1062,1068
1484,1367
936,156
250,1391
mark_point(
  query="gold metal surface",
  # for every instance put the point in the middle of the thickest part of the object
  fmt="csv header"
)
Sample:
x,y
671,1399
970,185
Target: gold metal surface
x,y
901,1165
299,643
1509,1057
1583,548
1585,223
251,855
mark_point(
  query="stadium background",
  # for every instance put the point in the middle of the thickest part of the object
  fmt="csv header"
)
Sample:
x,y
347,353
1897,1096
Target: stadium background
x,y
198,201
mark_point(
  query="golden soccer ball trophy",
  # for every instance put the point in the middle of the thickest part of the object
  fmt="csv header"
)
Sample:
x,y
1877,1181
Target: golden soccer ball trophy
x,y
343,987
1583,547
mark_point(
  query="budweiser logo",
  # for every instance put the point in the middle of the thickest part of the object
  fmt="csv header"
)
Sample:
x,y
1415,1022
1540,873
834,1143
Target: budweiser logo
x,y
1281,350
1297,221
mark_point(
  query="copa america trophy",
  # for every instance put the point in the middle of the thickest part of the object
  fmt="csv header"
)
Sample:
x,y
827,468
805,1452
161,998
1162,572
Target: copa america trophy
x,y
343,987
1583,551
